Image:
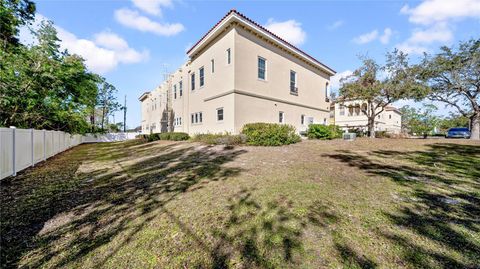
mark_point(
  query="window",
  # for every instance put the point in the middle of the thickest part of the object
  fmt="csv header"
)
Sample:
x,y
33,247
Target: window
x,y
326,91
197,117
212,62
201,76
262,68
293,82
174,91
342,110
324,121
390,116
229,56
192,79
220,114
281,117
180,87
302,119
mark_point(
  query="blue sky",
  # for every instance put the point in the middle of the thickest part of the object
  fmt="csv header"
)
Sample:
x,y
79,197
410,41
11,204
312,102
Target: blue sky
x,y
131,42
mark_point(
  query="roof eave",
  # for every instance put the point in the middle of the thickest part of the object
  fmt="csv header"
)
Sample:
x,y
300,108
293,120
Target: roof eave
x,y
232,16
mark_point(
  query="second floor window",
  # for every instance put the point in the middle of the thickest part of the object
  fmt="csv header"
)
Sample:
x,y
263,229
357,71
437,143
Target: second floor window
x,y
293,82
229,56
201,73
174,91
262,68
220,114
180,88
342,110
192,81
212,62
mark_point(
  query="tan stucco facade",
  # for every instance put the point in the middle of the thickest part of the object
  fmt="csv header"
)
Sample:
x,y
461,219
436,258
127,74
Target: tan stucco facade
x,y
348,115
228,57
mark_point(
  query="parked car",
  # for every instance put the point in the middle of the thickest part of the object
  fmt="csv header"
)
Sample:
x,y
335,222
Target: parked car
x,y
458,132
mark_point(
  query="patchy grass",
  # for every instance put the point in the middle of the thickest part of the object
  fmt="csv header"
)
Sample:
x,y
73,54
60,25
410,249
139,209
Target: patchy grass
x,y
315,204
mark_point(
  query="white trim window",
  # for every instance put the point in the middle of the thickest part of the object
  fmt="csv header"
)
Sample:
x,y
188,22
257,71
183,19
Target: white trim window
x,y
192,81
293,82
281,117
201,76
220,114
180,88
229,56
262,68
302,119
174,91
341,109
212,64
197,117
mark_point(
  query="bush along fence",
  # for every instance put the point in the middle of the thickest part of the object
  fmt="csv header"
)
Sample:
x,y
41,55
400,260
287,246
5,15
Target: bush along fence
x,y
22,148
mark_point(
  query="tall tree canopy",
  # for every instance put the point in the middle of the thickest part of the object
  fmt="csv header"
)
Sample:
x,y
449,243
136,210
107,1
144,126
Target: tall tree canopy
x,y
13,14
42,86
453,77
379,86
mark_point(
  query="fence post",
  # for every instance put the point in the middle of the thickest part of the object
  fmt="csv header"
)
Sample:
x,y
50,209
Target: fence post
x,y
44,145
32,147
13,151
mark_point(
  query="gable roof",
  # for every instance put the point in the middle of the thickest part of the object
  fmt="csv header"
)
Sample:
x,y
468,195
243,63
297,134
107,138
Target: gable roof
x,y
234,15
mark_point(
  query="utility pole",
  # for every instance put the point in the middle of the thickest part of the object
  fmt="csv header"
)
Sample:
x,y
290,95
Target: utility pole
x,y
125,115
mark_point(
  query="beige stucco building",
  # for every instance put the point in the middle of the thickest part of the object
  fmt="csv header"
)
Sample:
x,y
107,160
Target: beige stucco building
x,y
239,73
348,115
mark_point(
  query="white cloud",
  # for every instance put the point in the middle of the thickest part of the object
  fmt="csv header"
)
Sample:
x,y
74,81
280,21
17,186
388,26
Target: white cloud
x,y
420,39
110,40
437,33
153,7
102,54
412,48
335,25
290,30
335,80
433,11
134,20
387,34
366,38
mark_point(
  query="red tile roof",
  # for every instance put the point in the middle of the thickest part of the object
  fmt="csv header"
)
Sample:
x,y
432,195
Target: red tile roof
x,y
264,29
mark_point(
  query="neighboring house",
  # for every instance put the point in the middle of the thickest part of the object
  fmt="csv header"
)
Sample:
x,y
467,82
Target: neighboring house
x,y
239,73
348,115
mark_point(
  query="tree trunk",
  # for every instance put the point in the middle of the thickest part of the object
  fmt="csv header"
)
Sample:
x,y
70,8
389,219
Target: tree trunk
x,y
475,126
371,127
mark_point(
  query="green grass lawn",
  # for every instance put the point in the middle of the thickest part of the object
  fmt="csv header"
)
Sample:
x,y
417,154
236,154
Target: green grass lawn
x,y
316,204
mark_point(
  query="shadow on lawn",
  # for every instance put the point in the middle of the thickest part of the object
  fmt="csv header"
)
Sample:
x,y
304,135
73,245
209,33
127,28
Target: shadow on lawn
x,y
90,209
443,206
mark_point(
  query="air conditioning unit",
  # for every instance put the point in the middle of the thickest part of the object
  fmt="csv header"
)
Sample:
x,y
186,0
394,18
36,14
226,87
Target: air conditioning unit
x,y
349,136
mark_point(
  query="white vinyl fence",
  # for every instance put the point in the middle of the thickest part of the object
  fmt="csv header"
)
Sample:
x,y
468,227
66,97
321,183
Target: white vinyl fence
x,y
22,148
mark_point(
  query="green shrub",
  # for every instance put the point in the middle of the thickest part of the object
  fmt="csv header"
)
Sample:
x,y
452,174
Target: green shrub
x,y
269,134
173,136
153,137
381,134
320,131
178,136
220,139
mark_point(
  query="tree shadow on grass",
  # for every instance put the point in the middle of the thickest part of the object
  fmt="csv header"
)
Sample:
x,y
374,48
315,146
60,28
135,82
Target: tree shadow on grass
x,y
443,204
58,215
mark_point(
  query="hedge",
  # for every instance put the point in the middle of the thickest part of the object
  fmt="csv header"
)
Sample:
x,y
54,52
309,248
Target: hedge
x,y
220,139
173,136
270,134
324,132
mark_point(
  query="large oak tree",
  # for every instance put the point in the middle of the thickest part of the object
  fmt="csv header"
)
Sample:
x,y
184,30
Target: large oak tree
x,y
453,77
379,86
